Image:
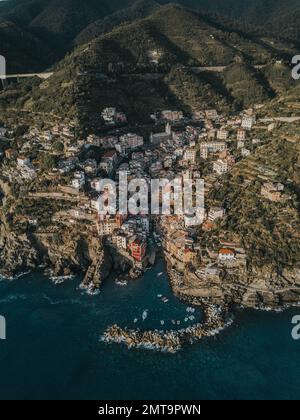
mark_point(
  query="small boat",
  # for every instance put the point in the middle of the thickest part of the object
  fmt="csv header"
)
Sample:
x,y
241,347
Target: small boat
x,y
145,315
162,322
191,310
121,282
135,320
159,296
160,274
165,300
178,322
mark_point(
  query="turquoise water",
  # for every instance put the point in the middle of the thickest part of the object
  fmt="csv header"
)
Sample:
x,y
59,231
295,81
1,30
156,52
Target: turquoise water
x,y
53,350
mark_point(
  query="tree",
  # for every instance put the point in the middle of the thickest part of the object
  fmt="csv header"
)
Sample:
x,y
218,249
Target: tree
x,y
48,162
58,146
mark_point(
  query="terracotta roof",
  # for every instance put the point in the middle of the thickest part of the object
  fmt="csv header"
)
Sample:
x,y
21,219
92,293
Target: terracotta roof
x,y
226,251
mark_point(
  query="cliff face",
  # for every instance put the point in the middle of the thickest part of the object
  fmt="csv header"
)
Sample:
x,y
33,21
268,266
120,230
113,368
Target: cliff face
x,y
67,252
259,288
16,254
65,249
273,290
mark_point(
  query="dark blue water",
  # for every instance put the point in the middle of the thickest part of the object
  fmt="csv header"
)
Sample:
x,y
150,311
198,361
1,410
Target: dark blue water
x,y
53,350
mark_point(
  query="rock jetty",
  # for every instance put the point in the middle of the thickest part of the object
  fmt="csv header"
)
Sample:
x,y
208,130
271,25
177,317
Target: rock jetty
x,y
168,341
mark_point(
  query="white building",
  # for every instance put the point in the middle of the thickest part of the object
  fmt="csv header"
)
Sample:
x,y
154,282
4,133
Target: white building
x,y
248,122
106,227
132,141
212,147
226,255
222,134
190,155
172,115
245,152
216,213
79,180
220,167
120,240
211,114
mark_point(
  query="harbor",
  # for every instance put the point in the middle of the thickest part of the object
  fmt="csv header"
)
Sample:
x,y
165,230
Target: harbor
x,y
215,320
65,324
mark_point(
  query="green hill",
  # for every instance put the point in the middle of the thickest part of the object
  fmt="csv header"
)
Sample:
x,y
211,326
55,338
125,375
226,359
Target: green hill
x,y
58,25
64,19
23,50
140,9
152,64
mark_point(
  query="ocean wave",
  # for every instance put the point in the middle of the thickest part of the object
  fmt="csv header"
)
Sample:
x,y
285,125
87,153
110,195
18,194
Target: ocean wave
x,y
16,277
88,289
279,309
61,279
218,331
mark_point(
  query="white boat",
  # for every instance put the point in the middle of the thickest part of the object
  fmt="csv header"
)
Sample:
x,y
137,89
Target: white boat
x,y
160,274
162,322
121,282
135,320
159,296
165,300
145,315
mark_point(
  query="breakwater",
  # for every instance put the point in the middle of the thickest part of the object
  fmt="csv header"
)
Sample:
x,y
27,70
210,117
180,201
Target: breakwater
x,y
169,341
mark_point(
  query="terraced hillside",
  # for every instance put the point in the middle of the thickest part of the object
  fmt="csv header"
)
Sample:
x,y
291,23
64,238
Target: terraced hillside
x,y
269,229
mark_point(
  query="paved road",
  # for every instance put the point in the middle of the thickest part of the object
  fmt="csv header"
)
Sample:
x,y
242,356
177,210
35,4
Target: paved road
x,y
23,75
281,119
220,69
46,75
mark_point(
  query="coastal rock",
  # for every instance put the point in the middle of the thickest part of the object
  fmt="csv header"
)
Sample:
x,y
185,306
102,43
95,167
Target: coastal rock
x,y
17,254
97,272
169,341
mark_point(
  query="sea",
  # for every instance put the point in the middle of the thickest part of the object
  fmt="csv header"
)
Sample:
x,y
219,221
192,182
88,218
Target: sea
x,y
53,349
